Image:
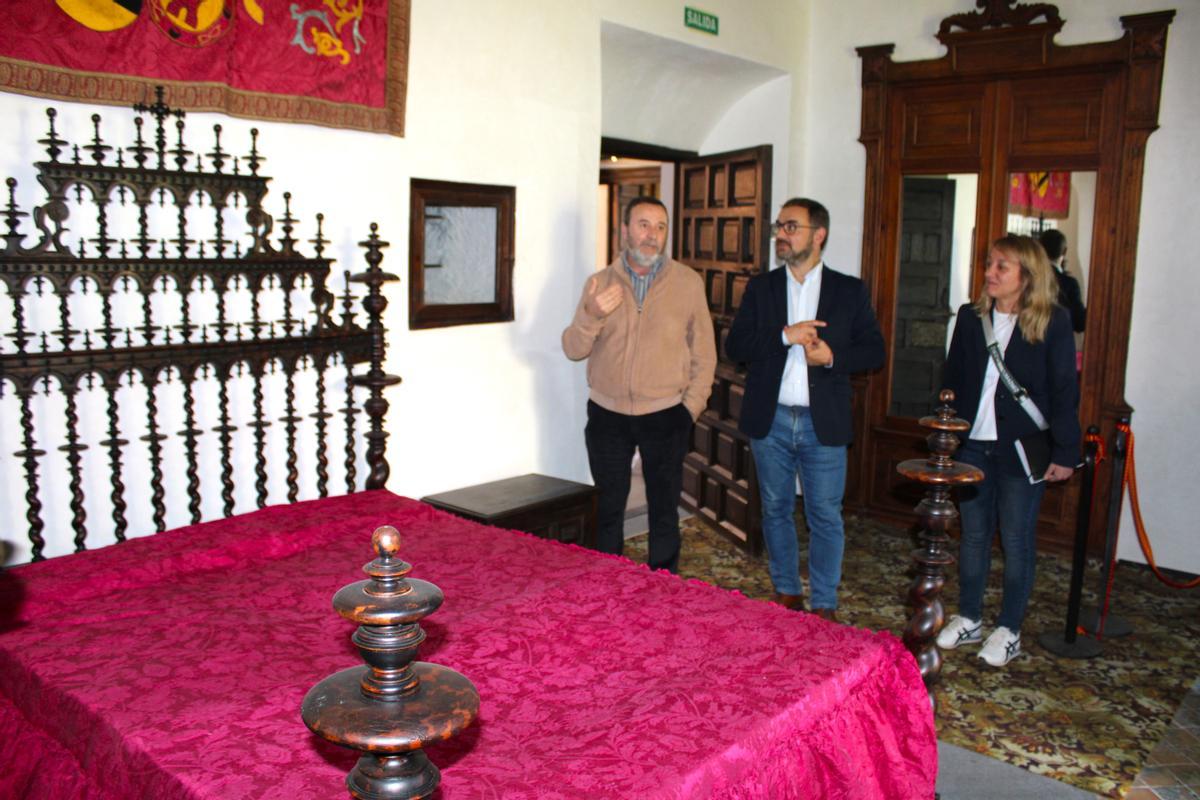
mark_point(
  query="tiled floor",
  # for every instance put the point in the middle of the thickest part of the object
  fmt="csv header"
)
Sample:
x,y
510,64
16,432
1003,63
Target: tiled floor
x,y
1172,771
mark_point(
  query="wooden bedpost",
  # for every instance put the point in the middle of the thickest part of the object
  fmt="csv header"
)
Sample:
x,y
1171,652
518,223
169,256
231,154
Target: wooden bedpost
x,y
390,709
936,512
376,379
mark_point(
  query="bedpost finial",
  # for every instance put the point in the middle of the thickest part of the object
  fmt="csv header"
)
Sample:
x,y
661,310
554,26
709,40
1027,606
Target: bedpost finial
x,y
386,541
52,142
393,706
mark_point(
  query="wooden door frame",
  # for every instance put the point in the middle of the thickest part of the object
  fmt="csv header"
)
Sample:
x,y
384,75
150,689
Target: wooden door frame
x,y
995,50
627,148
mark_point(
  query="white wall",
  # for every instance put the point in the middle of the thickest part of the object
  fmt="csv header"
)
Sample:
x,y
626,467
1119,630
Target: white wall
x,y
761,116
831,165
1163,383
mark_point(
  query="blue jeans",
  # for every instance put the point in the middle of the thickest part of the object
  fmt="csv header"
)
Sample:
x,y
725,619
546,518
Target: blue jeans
x,y
791,446
1012,502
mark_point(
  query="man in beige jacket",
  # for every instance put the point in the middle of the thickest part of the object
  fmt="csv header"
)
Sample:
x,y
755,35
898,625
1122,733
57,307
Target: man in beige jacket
x,y
644,327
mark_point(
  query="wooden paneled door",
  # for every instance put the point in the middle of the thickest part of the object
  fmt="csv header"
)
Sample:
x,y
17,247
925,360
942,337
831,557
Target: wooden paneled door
x,y
623,186
722,221
922,294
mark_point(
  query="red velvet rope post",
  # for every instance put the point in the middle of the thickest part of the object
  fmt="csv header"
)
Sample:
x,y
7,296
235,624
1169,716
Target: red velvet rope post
x,y
1130,479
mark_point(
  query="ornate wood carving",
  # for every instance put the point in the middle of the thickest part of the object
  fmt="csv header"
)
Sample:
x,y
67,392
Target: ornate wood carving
x,y
999,13
166,176
1037,106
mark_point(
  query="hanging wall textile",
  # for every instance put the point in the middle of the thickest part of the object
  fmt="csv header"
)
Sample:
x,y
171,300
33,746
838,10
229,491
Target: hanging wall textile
x,y
1040,194
342,63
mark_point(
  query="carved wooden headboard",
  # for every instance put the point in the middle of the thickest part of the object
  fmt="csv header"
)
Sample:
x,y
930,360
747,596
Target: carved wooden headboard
x,y
176,342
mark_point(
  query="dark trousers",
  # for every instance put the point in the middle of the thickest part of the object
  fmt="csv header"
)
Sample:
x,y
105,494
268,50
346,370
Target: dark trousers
x,y
662,438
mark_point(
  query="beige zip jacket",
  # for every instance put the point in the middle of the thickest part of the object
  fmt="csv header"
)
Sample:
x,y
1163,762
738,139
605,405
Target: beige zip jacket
x,y
644,361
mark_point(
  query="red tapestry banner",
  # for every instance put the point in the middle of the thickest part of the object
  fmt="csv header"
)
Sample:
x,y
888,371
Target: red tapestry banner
x,y
1040,194
341,63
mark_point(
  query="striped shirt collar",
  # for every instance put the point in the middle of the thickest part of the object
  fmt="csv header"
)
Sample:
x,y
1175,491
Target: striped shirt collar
x,y
641,283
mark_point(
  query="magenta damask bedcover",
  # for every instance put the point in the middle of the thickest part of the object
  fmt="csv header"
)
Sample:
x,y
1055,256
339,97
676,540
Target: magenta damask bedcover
x,y
173,667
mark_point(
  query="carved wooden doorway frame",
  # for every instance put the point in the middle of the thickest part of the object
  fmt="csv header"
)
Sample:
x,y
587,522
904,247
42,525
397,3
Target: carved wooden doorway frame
x,y
1005,97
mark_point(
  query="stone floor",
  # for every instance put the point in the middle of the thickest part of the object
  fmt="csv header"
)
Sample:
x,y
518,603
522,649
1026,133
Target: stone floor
x,y
1172,771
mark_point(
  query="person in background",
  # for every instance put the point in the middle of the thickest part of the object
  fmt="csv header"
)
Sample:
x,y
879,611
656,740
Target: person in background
x,y
802,331
644,327
1033,336
1070,296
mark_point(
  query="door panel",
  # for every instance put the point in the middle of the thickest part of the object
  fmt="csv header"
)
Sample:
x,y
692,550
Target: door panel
x,y
721,220
922,312
624,185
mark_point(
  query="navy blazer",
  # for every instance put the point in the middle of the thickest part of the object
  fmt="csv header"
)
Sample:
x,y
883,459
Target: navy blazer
x,y
1045,369
756,340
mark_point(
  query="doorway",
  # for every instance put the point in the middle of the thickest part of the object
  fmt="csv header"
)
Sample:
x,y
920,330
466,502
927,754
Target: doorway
x,y
719,207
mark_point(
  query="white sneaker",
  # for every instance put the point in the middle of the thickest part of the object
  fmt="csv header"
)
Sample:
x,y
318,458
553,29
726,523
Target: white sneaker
x,y
958,631
1001,647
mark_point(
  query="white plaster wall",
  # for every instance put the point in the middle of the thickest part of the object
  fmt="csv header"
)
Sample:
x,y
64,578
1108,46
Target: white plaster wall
x,y
767,31
1161,383
762,116
1083,216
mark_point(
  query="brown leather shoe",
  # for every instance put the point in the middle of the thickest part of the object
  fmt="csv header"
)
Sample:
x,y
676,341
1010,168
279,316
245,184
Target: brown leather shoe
x,y
793,601
829,614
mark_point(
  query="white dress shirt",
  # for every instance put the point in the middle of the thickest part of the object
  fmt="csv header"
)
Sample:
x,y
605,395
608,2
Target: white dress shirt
x,y
802,306
985,418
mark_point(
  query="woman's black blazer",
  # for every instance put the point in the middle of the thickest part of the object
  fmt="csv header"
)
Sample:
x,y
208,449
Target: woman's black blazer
x,y
1045,369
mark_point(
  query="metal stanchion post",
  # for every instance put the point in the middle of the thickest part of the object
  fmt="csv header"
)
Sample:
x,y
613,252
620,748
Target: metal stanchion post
x,y
1070,644
1090,618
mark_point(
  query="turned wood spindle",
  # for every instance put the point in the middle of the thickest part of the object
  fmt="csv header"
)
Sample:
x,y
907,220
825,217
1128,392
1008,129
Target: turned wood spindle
x,y
393,707
940,473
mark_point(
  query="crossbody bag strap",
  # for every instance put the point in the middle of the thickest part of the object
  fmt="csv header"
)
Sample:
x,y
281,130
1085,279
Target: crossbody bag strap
x,y
1010,382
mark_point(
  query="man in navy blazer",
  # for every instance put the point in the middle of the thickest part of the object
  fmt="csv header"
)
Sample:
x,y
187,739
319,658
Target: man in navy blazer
x,y
802,331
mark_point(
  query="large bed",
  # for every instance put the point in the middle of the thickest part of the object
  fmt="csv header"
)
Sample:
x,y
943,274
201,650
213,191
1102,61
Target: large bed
x,y
174,665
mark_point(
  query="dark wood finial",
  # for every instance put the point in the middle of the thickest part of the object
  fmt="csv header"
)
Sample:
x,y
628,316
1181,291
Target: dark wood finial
x,y
393,707
376,380
386,541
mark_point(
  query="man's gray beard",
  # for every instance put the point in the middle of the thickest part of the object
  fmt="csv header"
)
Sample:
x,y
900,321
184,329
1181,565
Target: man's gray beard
x,y
648,262
794,259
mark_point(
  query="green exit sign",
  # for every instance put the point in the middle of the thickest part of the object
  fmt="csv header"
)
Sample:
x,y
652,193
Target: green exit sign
x,y
701,21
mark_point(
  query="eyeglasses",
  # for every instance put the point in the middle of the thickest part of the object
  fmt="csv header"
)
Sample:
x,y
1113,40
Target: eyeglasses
x,y
790,227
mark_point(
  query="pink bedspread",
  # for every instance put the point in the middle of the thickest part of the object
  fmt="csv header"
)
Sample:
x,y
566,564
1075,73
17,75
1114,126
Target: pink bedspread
x,y
174,666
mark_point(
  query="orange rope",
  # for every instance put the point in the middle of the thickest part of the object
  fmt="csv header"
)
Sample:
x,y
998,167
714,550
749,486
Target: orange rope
x,y
1130,479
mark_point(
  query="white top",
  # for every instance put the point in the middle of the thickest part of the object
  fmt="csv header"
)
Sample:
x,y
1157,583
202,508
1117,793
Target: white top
x,y
985,417
802,306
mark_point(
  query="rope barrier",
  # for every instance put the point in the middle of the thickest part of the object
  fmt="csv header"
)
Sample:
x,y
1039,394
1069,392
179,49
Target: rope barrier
x,y
1129,479
1101,453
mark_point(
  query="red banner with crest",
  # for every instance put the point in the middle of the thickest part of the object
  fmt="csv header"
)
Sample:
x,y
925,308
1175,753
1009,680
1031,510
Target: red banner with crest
x,y
341,63
1040,194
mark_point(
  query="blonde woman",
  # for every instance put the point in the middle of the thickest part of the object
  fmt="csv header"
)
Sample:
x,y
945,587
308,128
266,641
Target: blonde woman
x,y
1033,336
